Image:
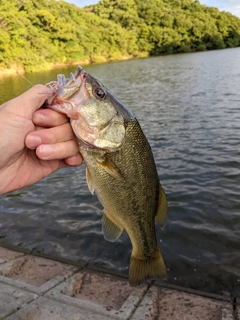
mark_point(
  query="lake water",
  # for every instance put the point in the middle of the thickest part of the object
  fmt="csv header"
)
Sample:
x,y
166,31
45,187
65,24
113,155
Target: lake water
x,y
189,108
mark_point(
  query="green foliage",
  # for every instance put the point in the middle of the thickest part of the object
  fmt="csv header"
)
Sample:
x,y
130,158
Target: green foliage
x,y
171,26
36,34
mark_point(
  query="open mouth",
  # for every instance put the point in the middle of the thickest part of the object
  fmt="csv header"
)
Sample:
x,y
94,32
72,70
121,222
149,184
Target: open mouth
x,y
68,93
76,78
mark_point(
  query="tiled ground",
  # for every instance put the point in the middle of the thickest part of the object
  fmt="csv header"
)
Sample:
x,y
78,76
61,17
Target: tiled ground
x,y
35,288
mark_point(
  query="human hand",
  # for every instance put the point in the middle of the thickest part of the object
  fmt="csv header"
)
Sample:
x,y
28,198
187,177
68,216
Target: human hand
x,y
33,142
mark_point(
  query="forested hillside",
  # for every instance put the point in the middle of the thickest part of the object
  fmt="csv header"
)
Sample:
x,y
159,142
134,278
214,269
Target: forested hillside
x,y
37,34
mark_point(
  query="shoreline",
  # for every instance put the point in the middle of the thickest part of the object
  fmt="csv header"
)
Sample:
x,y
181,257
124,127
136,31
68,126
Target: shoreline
x,y
15,69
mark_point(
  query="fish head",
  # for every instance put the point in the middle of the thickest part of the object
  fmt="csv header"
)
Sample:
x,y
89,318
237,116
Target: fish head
x,y
97,117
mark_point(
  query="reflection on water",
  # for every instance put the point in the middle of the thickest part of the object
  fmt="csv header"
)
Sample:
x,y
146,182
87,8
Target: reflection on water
x,y
188,106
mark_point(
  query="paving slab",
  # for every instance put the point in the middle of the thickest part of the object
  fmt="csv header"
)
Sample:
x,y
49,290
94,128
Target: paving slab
x,y
45,309
100,293
12,299
35,274
168,304
41,288
7,255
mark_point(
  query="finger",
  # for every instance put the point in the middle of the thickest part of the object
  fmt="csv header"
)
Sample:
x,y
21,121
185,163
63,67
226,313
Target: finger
x,y
49,136
61,150
75,160
28,102
49,118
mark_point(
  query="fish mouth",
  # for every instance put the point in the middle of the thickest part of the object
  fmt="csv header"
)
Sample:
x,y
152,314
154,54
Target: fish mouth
x,y
67,93
75,79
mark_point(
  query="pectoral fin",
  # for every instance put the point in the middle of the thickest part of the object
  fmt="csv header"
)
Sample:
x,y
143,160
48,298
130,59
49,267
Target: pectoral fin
x,y
161,216
111,230
89,181
110,168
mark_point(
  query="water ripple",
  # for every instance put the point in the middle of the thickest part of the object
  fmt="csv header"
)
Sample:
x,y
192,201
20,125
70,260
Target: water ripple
x,y
188,106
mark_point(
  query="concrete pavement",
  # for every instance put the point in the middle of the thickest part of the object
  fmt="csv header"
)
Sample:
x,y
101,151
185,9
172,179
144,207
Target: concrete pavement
x,y
39,288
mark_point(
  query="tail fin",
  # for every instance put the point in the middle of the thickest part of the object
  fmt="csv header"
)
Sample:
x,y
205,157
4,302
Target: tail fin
x,y
142,270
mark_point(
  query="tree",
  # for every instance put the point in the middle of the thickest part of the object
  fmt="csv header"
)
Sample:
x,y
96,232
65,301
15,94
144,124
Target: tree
x,y
36,34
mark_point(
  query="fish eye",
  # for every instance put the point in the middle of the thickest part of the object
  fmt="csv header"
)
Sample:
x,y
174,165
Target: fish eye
x,y
100,93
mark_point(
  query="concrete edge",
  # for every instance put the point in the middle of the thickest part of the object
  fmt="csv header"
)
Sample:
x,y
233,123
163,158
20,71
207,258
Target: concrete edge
x,y
91,266
204,294
14,248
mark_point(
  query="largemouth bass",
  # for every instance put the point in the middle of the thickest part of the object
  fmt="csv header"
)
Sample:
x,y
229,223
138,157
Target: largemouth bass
x,y
120,168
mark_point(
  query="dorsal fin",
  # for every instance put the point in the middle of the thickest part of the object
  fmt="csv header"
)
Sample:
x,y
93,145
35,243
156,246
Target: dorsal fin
x,y
161,216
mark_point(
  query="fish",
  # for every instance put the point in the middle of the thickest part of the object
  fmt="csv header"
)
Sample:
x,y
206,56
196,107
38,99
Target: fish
x,y
120,168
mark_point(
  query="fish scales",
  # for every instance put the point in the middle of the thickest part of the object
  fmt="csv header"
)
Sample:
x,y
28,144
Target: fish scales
x,y
129,199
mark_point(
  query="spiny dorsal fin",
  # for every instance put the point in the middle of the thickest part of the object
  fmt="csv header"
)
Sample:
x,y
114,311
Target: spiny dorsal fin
x,y
110,167
111,230
89,181
161,216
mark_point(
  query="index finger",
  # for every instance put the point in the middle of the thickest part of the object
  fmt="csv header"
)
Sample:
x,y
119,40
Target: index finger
x,y
49,118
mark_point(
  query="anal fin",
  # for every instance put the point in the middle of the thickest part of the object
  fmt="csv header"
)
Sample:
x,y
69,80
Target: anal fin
x,y
111,230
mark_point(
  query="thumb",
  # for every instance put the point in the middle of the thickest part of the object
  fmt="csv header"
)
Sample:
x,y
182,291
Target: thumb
x,y
28,102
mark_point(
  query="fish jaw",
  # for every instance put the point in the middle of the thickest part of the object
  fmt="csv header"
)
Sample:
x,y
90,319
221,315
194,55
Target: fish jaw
x,y
68,93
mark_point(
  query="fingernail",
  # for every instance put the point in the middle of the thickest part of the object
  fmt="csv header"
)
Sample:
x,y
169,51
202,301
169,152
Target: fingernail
x,y
33,141
71,160
46,150
38,118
